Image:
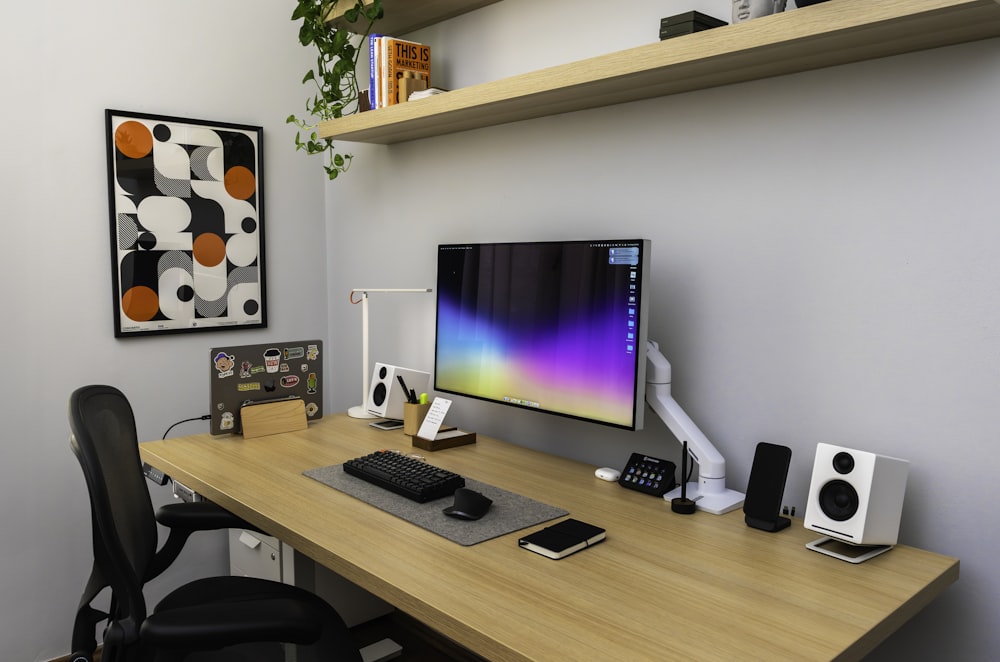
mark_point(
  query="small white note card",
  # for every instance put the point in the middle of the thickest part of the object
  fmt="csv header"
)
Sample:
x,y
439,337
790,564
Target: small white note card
x,y
435,417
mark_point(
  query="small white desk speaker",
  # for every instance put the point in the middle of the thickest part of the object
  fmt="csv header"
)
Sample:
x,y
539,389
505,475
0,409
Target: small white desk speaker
x,y
855,496
385,395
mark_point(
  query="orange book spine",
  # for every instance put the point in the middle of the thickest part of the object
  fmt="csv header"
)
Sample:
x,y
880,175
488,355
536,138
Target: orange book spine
x,y
406,56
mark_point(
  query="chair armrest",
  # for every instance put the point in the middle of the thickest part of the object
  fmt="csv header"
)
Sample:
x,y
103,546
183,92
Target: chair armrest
x,y
199,516
185,518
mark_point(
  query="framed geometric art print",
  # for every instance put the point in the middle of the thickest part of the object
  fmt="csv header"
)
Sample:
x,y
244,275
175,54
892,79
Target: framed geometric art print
x,y
187,224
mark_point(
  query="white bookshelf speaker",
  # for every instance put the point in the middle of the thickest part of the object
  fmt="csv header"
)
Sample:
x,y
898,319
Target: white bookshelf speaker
x,y
385,396
855,496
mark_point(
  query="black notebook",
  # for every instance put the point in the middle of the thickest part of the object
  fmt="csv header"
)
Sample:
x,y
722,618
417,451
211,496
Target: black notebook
x,y
562,539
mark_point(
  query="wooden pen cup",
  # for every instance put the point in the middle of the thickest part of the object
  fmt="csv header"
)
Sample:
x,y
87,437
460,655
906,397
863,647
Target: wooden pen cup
x,y
413,417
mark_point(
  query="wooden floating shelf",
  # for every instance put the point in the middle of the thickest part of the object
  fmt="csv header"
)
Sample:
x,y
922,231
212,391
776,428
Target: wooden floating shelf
x,y
823,35
402,16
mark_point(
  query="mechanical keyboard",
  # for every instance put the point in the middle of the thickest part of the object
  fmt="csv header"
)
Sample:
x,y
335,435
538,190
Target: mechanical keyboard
x,y
407,476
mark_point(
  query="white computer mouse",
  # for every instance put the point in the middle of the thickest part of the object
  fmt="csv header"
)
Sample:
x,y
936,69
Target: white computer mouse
x,y
608,474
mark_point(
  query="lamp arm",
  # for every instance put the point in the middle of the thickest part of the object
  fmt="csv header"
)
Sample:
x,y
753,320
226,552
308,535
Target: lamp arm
x,y
361,411
365,364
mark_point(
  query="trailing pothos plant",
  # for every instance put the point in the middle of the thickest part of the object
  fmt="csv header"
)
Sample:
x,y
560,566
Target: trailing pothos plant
x,y
335,74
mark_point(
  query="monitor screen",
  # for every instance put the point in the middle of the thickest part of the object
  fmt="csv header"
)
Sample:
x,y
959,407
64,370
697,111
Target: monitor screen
x,y
557,327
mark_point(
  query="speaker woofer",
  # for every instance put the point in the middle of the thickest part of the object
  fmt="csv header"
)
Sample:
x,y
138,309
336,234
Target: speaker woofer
x,y
839,500
378,394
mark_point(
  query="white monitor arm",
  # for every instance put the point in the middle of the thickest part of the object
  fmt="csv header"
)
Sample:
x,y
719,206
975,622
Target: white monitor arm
x,y
709,492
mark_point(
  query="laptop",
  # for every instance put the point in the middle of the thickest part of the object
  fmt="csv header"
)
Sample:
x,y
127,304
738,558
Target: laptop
x,y
242,375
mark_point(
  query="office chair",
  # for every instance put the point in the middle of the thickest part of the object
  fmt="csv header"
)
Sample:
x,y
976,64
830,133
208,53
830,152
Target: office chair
x,y
204,615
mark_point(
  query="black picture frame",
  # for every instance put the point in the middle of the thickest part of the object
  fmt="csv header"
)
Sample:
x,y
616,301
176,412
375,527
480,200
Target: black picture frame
x,y
186,202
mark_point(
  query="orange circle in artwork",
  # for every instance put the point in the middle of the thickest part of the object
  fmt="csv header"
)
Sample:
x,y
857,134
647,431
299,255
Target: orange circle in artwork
x,y
140,303
209,249
240,182
133,140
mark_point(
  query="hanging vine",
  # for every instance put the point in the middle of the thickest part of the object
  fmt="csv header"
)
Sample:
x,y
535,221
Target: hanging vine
x,y
335,74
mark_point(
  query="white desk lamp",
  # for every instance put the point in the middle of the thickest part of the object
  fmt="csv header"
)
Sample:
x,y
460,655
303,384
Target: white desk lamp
x,y
361,411
709,493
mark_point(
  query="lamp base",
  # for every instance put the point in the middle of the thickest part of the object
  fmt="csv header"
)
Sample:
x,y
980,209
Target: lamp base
x,y
717,503
359,411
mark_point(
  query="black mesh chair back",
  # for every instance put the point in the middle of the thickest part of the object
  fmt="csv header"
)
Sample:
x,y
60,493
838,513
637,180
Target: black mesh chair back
x,y
124,528
209,614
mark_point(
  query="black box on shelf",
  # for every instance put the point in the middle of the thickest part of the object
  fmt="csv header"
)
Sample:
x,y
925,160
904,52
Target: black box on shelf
x,y
687,23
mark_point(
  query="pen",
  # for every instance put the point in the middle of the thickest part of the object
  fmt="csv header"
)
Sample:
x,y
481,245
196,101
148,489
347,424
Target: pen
x,y
413,397
406,391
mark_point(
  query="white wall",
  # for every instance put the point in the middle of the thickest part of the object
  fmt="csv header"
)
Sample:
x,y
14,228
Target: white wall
x,y
62,64
823,247
824,251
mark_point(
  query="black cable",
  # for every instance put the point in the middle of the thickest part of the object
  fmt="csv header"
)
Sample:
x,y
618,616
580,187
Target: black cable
x,y
186,420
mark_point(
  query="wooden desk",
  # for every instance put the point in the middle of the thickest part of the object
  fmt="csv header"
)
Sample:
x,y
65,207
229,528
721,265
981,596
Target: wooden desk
x,y
662,587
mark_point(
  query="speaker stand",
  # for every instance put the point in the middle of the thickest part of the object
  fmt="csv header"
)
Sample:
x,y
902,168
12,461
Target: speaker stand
x,y
845,552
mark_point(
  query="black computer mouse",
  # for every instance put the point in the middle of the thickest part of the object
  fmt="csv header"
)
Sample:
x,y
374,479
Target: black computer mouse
x,y
469,504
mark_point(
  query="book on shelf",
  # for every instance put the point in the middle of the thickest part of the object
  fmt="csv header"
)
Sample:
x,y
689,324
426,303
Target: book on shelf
x,y
374,44
397,68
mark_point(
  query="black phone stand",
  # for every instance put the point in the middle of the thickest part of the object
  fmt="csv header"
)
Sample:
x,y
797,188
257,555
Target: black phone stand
x,y
766,487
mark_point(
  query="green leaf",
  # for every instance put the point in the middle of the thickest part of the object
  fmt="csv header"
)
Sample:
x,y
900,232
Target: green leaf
x,y
342,67
374,11
340,39
305,35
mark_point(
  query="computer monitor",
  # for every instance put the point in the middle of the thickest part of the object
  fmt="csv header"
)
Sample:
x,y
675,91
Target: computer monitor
x,y
555,326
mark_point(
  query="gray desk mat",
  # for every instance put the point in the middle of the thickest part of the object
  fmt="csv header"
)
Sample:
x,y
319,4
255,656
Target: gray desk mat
x,y
509,512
